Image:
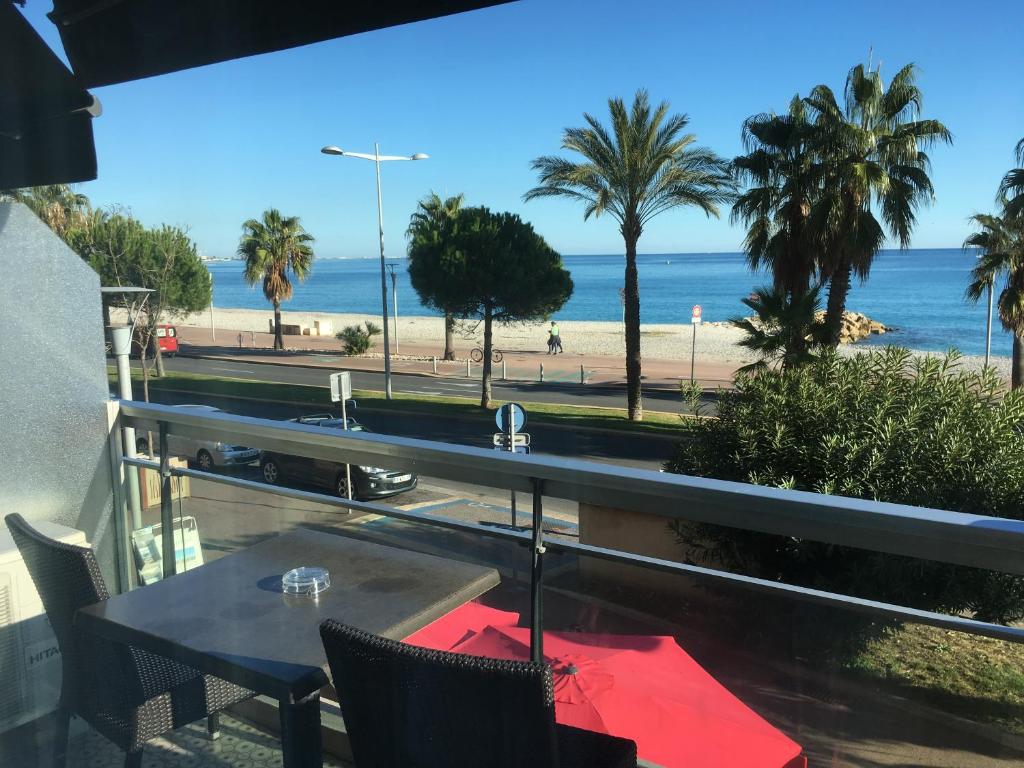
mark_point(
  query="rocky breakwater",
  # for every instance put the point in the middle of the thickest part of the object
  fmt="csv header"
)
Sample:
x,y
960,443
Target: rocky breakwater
x,y
857,326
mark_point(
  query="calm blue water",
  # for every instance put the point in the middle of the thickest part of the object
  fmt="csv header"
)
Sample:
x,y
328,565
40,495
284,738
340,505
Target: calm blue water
x,y
918,291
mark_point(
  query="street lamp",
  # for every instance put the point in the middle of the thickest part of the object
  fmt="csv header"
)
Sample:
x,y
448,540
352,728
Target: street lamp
x,y
378,158
988,323
394,298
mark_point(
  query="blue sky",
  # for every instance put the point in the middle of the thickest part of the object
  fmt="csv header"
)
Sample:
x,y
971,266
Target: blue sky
x,y
485,92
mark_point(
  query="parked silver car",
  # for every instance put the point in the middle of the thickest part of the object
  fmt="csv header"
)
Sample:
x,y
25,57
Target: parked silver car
x,y
206,454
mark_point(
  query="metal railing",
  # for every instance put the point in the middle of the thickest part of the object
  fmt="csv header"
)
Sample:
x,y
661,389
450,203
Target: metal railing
x,y
989,543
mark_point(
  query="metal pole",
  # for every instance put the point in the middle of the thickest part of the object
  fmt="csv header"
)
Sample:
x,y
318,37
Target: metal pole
x,y
583,378
510,430
348,467
394,300
988,326
504,372
121,343
537,577
693,352
383,279
469,375
166,505
542,371
433,360
213,330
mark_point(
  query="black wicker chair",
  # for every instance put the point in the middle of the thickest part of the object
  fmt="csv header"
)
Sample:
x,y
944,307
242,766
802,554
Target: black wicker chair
x,y
410,707
127,694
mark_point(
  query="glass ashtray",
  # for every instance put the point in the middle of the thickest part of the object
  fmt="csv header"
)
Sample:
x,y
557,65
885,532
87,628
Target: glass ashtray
x,y
307,580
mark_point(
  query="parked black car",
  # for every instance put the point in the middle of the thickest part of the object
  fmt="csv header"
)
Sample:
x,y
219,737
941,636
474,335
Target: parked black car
x,y
367,482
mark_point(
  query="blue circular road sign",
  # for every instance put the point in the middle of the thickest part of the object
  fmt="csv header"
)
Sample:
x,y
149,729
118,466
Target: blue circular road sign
x,y
510,413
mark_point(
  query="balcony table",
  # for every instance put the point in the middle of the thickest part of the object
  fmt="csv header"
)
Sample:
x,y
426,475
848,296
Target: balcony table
x,y
229,618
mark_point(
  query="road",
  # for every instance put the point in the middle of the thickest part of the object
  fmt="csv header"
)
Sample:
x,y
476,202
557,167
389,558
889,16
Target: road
x,y
466,501
644,451
606,396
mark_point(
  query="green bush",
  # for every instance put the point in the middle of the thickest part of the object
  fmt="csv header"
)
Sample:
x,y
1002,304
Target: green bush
x,y
358,339
880,425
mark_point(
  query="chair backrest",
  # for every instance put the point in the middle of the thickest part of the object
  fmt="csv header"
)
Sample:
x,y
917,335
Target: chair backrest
x,y
410,707
67,577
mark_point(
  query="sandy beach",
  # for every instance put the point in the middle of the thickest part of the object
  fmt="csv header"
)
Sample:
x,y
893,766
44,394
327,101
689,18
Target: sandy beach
x,y
716,342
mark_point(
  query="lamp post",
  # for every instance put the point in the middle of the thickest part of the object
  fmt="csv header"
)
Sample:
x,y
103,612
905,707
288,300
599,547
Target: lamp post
x,y
378,158
394,298
213,329
988,326
988,322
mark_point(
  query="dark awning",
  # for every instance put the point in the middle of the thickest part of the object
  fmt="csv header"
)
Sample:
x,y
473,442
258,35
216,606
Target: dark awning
x,y
45,130
111,41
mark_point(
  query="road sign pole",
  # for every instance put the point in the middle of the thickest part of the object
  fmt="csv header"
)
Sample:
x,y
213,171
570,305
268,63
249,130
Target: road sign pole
x,y
695,320
341,390
693,352
348,468
512,447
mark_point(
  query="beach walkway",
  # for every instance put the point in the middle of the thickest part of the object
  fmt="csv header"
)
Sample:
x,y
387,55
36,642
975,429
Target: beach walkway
x,y
521,365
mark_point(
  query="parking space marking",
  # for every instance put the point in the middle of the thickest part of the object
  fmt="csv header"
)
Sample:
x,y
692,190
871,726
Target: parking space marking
x,y
423,505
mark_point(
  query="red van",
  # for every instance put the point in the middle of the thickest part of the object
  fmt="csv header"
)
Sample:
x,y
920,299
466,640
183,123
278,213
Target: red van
x,y
166,336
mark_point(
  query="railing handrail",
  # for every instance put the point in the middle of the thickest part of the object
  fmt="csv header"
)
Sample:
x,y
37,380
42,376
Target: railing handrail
x,y
950,537
560,546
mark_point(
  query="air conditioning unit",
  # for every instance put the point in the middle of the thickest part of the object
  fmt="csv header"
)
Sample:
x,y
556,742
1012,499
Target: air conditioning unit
x,y
30,670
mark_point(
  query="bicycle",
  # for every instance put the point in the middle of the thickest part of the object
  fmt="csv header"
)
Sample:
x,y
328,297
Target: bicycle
x,y
477,355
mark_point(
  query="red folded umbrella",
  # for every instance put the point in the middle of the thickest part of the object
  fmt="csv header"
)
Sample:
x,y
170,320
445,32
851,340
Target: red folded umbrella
x,y
644,688
452,628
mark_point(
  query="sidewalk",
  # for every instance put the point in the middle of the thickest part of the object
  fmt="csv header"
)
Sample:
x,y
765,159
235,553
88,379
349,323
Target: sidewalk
x,y
519,365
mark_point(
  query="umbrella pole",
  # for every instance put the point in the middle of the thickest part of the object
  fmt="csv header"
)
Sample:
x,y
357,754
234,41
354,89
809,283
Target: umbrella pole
x,y
537,575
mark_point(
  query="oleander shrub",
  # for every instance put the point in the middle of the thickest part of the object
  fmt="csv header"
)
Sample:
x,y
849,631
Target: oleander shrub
x,y
881,425
357,339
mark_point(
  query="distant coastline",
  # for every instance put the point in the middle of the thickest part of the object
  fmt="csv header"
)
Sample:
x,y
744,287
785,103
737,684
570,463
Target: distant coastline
x,y
919,292
716,343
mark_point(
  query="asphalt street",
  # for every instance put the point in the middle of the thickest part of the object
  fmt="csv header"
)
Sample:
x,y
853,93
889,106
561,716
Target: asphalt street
x,y
634,450
607,396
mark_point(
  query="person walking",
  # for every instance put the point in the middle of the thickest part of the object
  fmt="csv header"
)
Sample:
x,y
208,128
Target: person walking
x,y
555,339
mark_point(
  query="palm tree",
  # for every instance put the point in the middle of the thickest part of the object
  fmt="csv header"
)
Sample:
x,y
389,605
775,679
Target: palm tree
x,y
58,205
1012,187
641,166
1001,242
785,330
873,152
431,255
783,180
273,248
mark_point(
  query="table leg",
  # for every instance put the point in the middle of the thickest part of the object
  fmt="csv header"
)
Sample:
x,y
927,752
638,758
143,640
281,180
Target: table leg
x,y
300,733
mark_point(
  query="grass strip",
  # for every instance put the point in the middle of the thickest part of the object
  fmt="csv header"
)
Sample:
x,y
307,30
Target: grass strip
x,y
434,405
977,678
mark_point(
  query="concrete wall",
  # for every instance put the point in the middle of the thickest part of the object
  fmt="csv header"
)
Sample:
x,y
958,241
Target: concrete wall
x,y
639,534
54,460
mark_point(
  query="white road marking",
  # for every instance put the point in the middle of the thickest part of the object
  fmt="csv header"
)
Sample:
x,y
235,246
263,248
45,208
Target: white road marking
x,y
232,370
430,503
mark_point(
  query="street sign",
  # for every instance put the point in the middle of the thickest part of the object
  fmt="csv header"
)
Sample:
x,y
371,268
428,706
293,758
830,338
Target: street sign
x,y
524,449
341,386
510,417
696,316
520,438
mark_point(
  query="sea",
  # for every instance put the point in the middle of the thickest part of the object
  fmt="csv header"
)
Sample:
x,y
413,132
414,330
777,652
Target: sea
x,y
920,292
